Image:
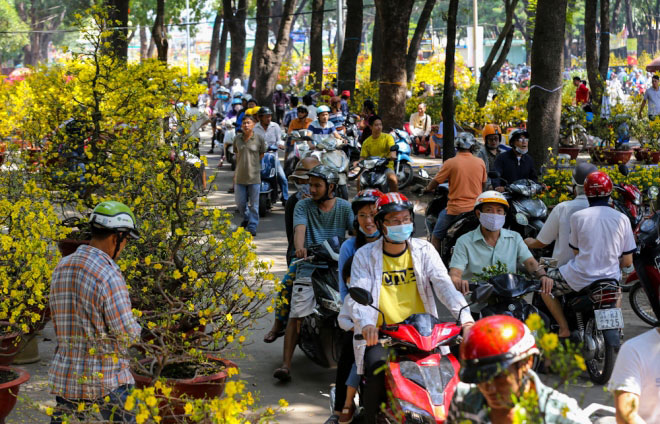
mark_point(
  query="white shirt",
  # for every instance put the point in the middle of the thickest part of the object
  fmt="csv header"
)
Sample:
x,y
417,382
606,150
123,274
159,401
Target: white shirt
x,y
311,112
271,135
558,227
601,235
637,370
653,98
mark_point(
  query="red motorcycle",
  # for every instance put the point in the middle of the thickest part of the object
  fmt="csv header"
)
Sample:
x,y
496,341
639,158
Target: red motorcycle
x,y
647,270
421,374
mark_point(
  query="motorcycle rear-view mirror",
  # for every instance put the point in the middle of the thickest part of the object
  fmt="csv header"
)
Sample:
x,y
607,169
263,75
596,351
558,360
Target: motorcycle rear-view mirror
x,y
481,293
394,148
361,296
623,169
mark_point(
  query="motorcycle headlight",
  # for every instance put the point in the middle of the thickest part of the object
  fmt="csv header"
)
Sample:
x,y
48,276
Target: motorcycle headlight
x,y
414,414
331,305
370,163
638,198
521,219
653,192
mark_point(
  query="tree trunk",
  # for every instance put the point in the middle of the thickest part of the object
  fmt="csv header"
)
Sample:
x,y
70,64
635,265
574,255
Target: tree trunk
x,y
43,46
490,69
215,42
604,55
376,49
630,23
590,17
316,45
159,33
615,15
152,47
144,44
544,104
347,66
118,14
222,56
236,23
448,93
395,16
269,61
416,41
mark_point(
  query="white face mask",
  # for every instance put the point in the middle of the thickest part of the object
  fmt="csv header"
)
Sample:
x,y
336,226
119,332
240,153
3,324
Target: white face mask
x,y
521,150
492,221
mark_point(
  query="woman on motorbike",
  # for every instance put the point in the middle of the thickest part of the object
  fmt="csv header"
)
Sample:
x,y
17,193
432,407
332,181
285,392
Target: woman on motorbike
x,y
363,206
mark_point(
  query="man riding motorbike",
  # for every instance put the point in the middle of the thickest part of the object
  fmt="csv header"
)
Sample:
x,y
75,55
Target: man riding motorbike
x,y
515,164
379,144
602,241
488,153
402,273
315,220
489,244
496,368
558,225
467,180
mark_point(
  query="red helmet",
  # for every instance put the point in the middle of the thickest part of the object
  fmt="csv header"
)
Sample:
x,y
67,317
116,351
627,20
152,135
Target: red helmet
x,y
492,345
346,93
392,202
597,184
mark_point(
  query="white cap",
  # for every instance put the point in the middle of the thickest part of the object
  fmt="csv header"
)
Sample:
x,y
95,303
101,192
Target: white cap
x,y
278,87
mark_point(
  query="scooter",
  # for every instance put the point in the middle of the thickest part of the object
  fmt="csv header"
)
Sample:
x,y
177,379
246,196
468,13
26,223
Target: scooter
x,y
319,332
594,320
352,145
422,372
572,134
628,199
647,267
336,160
228,141
508,297
402,167
373,175
526,215
301,149
268,193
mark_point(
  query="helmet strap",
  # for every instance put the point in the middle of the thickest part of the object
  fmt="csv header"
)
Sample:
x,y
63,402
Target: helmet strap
x,y
121,236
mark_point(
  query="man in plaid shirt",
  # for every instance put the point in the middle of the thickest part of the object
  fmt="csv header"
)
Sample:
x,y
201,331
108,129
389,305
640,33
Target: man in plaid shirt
x,y
93,320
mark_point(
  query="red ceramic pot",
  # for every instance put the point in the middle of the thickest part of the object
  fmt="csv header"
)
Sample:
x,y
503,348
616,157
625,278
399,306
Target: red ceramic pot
x,y
208,386
641,153
9,346
571,151
614,157
9,390
653,157
68,246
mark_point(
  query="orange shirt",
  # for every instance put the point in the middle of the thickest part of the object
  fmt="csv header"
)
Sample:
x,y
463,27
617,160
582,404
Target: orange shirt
x,y
466,174
297,124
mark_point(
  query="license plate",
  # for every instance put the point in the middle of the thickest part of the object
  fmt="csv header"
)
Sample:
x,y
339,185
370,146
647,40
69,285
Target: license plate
x,y
607,319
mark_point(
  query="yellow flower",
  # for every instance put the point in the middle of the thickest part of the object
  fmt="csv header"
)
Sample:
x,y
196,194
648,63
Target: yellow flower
x,y
579,361
81,407
130,403
534,322
188,408
49,411
549,342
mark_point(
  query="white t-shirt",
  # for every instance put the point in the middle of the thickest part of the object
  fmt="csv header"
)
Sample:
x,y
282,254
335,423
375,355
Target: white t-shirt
x,y
557,228
601,235
311,112
653,98
637,370
271,135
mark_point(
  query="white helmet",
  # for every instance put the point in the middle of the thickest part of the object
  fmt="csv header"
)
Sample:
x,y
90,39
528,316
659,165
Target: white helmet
x,y
491,196
278,87
464,140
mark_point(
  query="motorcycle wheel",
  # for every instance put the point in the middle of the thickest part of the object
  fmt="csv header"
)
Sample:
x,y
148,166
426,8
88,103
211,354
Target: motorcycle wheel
x,y
640,304
290,166
405,175
600,368
264,205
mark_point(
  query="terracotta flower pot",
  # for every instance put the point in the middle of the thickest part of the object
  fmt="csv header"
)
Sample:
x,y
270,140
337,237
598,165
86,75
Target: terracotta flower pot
x,y
571,151
653,157
10,344
641,154
614,157
68,246
597,155
9,389
209,386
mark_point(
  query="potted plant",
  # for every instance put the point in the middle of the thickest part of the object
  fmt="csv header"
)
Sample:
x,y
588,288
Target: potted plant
x,y
614,134
11,379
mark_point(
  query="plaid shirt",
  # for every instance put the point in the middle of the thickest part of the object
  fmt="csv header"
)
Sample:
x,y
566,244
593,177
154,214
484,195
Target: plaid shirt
x,y
93,322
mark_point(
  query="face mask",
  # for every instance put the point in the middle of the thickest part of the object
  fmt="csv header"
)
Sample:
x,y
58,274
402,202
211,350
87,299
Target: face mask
x,y
492,221
521,151
237,108
224,97
372,235
303,189
400,233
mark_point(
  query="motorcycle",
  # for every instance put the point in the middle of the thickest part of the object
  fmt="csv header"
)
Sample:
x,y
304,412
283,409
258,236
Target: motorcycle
x,y
507,297
319,332
268,193
402,167
336,160
647,267
526,215
352,145
229,133
595,321
572,133
422,372
373,174
628,199
300,150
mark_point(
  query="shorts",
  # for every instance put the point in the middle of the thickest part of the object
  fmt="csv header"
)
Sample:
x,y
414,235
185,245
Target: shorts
x,y
303,301
560,287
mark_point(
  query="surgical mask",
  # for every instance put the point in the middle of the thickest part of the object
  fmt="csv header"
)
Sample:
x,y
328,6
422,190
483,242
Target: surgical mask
x,y
224,96
400,233
237,108
492,221
303,189
521,151
372,235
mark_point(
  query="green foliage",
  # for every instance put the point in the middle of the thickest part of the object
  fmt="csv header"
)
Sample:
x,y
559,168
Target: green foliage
x,y
11,44
491,271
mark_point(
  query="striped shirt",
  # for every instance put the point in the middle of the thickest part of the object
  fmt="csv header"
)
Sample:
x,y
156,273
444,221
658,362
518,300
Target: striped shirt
x,y
94,324
320,225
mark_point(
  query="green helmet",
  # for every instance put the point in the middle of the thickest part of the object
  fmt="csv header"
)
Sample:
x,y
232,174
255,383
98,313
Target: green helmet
x,y
116,216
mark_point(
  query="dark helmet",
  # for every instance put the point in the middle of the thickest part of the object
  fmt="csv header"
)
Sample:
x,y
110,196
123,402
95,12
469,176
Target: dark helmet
x,y
324,172
516,134
264,110
365,197
581,171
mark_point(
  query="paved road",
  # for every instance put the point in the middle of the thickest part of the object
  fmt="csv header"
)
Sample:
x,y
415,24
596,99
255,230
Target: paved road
x,y
307,393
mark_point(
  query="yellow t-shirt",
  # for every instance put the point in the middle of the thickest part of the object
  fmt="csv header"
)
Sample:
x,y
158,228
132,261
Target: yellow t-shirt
x,y
378,147
399,297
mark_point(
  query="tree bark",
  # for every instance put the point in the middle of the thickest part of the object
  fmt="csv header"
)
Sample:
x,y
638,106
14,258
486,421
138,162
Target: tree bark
x,y
236,23
118,11
222,56
416,41
395,16
215,42
316,45
502,45
152,47
144,43
604,54
159,33
544,104
347,66
448,150
630,23
590,17
615,14
376,49
268,60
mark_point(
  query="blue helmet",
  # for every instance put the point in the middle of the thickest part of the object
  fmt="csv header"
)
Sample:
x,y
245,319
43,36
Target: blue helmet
x,y
236,101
